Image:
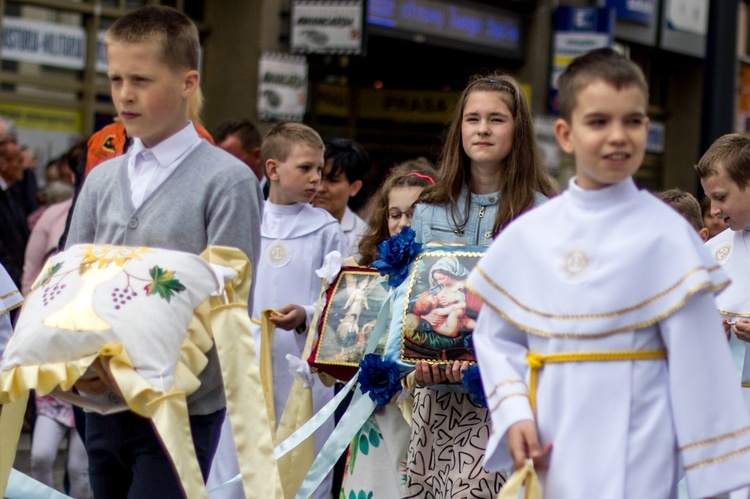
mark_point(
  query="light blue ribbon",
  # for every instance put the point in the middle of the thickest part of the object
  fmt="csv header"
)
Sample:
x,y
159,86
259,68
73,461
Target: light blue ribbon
x,y
21,486
359,410
315,422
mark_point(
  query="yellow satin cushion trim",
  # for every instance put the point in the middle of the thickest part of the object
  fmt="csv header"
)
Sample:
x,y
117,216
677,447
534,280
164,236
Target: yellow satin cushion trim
x,y
11,420
235,346
169,414
525,477
20,379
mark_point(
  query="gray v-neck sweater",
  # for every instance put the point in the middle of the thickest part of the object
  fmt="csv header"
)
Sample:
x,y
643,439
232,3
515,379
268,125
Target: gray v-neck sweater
x,y
210,199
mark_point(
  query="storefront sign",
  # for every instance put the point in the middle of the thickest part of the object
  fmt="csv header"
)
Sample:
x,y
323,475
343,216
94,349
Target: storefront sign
x,y
413,106
327,27
43,43
282,89
332,100
684,26
442,22
47,131
690,16
636,11
577,30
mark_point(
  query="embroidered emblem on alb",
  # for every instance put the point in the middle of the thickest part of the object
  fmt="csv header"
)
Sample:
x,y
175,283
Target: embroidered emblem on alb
x,y
574,266
278,254
576,262
722,253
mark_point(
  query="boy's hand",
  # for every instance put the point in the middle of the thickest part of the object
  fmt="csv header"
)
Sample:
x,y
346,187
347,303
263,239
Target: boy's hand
x,y
728,323
742,330
290,317
101,383
455,373
429,374
523,443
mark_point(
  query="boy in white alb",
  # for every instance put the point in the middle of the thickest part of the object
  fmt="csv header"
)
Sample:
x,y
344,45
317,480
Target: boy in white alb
x,y
295,238
724,171
601,352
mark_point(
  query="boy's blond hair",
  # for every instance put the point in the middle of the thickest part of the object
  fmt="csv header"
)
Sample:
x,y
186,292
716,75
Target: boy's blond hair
x,y
602,64
729,153
278,142
175,33
684,203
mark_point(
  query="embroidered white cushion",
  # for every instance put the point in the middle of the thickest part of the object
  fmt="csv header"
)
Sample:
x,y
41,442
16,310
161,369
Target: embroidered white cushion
x,y
93,295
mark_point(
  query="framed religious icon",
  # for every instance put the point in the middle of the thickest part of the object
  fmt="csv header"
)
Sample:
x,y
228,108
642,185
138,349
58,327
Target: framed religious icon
x,y
353,302
440,312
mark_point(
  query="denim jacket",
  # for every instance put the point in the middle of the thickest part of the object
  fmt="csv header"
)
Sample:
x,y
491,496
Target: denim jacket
x,y
435,222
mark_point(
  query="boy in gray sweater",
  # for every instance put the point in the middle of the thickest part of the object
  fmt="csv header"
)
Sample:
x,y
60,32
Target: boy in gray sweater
x,y
171,190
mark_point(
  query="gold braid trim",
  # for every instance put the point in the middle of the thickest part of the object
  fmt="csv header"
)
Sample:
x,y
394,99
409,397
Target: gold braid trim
x,y
589,317
715,439
596,336
12,307
495,407
717,459
14,292
504,383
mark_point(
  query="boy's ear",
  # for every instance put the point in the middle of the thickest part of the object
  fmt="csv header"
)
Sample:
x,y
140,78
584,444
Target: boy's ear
x,y
192,80
354,188
703,233
272,167
562,133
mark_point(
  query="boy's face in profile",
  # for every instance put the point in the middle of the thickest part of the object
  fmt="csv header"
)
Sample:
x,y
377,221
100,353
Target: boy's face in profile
x,y
297,179
607,133
150,97
728,202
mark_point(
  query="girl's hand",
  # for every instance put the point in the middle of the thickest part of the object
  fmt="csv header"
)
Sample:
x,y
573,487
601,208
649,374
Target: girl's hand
x,y
455,373
742,330
523,443
429,374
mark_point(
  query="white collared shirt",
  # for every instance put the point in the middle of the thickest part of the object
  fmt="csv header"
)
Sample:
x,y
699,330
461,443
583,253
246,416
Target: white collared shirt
x,y
3,184
149,168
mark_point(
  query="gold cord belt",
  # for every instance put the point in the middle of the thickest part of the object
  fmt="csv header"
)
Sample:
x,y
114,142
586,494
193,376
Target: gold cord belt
x,y
537,361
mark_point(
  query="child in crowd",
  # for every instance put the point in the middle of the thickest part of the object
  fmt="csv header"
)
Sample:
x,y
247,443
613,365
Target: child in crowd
x,y
724,171
295,238
601,351
378,469
346,163
171,190
687,206
490,173
713,223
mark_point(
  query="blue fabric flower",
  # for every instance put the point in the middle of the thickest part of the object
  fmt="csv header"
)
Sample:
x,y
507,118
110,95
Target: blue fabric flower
x,y
378,378
395,254
472,380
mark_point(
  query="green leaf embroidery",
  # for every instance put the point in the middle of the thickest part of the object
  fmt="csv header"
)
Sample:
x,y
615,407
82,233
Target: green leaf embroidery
x,y
51,272
375,437
164,283
364,445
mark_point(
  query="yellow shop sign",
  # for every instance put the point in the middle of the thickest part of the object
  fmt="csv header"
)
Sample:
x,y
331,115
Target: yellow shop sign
x,y
419,106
